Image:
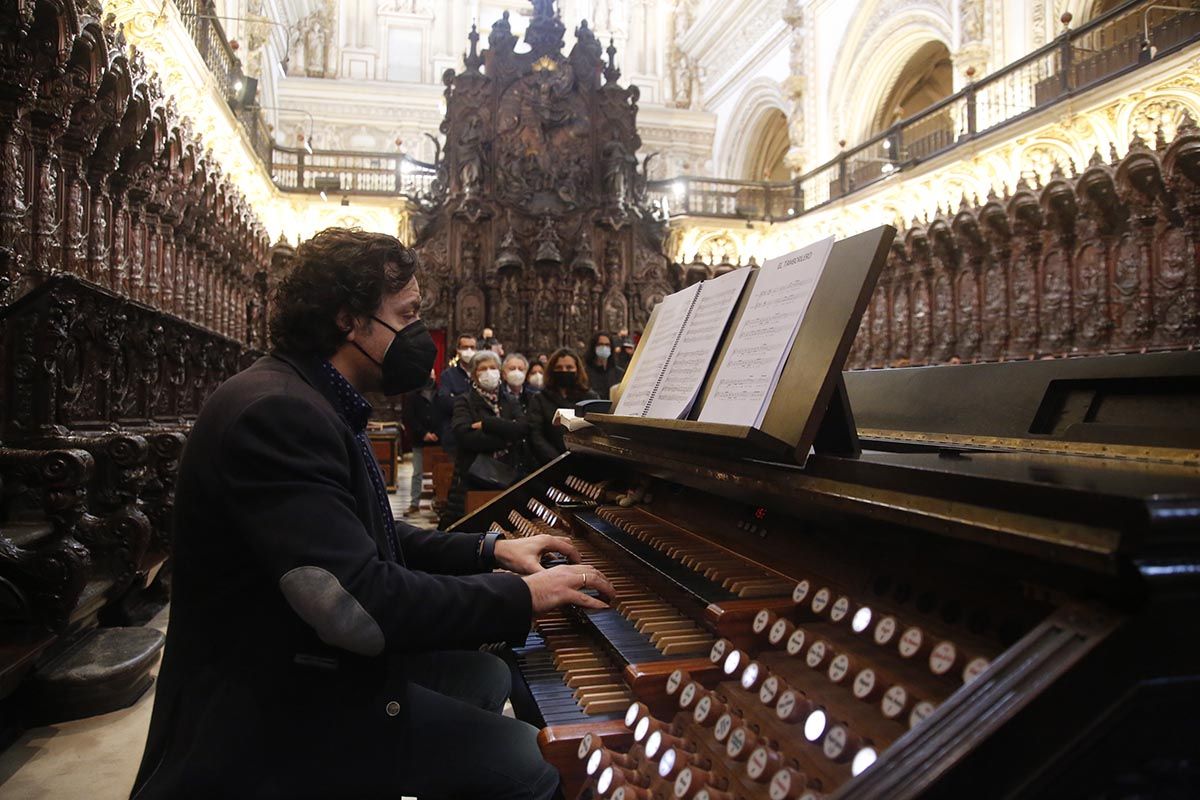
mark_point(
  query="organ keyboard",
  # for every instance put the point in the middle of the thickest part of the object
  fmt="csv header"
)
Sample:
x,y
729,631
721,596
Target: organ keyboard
x,y
932,619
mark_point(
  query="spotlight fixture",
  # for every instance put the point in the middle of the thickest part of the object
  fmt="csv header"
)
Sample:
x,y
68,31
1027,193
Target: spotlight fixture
x,y
1148,50
326,185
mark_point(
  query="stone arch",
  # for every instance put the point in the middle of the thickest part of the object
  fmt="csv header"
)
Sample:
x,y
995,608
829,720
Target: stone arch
x,y
873,54
1086,10
925,78
760,98
769,146
1043,154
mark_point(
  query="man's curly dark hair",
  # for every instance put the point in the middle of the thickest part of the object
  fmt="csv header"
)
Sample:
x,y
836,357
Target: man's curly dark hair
x,y
337,269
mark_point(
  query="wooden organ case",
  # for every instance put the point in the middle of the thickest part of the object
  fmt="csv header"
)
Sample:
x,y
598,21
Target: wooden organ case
x,y
995,598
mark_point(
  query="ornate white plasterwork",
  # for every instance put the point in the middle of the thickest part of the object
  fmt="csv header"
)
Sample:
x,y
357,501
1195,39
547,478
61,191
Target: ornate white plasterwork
x,y
726,39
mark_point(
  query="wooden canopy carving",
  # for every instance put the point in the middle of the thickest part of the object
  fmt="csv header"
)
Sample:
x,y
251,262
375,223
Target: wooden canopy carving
x,y
538,224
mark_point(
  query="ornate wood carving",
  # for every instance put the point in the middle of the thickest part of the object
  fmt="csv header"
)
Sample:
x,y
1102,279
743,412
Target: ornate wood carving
x,y
1106,261
43,566
133,280
539,225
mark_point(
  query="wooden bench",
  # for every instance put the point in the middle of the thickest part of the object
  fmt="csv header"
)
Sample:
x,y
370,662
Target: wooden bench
x,y
478,498
443,476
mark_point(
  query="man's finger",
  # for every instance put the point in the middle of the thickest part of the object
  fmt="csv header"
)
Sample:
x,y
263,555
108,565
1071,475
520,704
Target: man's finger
x,y
562,545
587,601
597,581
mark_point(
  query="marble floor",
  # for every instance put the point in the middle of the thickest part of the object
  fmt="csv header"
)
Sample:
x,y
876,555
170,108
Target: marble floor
x,y
97,758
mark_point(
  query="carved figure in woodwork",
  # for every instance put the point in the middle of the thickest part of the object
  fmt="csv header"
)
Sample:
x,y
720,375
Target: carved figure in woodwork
x,y
618,164
548,252
470,156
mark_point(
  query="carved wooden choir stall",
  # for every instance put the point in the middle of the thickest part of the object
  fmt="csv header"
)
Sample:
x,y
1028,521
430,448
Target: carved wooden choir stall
x,y
1107,261
132,282
537,224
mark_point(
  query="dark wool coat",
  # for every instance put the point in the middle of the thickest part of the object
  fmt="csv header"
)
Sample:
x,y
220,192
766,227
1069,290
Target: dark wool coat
x,y
507,431
277,679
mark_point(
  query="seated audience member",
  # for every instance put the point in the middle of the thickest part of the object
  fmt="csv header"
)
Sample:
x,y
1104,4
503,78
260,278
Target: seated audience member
x,y
566,385
486,423
515,379
602,369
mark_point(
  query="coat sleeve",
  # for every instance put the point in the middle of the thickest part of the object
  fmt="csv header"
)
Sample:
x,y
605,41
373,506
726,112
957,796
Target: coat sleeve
x,y
286,474
510,430
543,448
468,438
439,552
443,403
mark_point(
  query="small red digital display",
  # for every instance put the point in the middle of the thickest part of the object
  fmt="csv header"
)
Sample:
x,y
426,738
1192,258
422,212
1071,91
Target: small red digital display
x,y
760,513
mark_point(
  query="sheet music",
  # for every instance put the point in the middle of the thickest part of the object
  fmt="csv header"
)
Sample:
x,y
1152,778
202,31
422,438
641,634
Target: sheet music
x,y
654,351
749,373
698,343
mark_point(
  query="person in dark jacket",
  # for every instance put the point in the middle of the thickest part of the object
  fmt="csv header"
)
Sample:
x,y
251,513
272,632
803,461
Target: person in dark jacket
x,y
453,382
487,422
566,385
317,647
602,369
416,414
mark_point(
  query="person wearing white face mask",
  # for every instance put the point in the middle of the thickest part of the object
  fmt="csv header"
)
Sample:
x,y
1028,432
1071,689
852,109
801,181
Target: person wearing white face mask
x,y
515,384
490,430
535,381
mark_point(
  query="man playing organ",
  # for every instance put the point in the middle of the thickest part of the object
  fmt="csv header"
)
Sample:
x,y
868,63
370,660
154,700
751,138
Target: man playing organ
x,y
317,646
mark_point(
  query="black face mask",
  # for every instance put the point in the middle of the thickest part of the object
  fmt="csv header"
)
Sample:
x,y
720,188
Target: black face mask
x,y
566,380
408,359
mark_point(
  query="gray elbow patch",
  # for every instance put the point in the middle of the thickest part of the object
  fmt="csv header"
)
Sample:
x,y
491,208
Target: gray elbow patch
x,y
335,614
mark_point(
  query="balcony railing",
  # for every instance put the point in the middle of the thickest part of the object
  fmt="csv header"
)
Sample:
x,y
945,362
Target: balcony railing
x,y
1103,49
1099,51
350,172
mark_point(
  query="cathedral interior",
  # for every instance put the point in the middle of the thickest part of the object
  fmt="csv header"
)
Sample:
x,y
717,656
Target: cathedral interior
x,y
560,167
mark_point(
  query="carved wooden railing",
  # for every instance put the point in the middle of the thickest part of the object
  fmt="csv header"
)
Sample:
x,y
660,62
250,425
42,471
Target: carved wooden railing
x,y
133,281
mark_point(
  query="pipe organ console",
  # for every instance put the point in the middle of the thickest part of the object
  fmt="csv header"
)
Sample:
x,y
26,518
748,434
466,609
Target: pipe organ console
x,y
934,617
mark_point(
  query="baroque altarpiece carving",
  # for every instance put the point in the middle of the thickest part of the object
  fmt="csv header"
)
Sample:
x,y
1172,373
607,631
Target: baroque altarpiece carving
x,y
538,223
